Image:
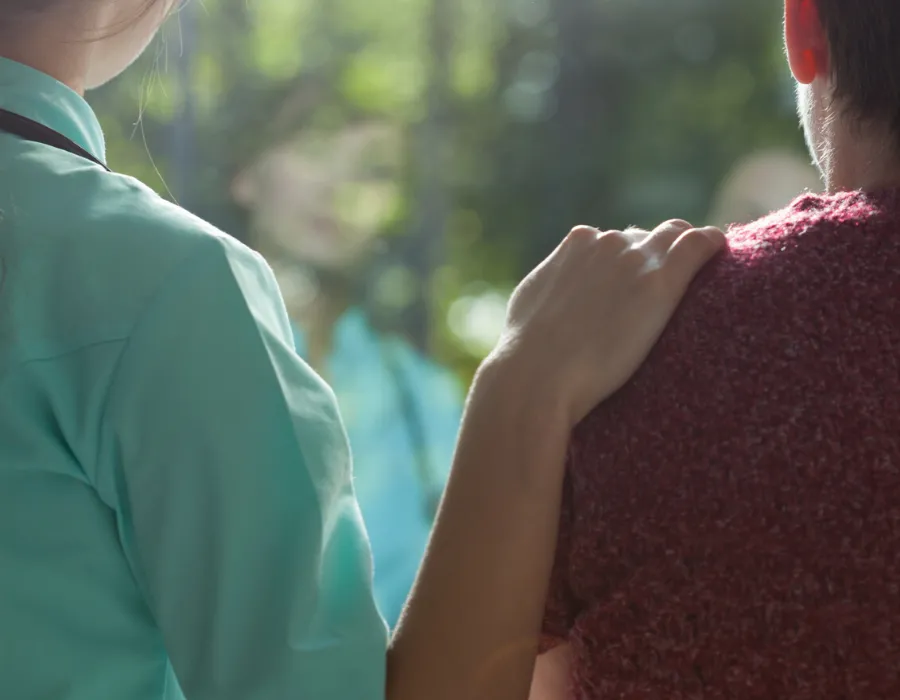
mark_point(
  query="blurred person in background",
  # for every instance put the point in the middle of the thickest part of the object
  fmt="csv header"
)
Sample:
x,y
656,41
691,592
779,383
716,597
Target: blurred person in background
x,y
730,519
320,201
177,510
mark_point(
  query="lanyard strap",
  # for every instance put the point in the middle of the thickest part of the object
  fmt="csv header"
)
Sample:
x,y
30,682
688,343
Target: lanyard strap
x,y
30,130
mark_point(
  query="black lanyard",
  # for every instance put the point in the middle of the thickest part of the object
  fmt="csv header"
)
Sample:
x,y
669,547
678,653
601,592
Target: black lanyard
x,y
30,130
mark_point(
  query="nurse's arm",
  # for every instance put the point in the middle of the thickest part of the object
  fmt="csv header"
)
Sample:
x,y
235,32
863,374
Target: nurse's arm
x,y
471,627
228,463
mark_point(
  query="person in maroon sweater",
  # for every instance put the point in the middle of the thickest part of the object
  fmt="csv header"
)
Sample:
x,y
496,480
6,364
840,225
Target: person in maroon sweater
x,y
731,518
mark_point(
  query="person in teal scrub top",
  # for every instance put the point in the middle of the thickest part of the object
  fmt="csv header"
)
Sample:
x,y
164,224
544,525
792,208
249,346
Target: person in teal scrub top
x,y
319,201
177,511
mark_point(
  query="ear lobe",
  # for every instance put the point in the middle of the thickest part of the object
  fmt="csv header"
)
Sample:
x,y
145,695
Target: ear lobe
x,y
806,69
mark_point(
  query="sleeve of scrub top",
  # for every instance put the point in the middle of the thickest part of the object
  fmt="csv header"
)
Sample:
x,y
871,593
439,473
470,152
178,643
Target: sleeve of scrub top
x,y
232,475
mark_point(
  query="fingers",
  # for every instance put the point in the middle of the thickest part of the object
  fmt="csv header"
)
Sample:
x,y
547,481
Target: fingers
x,y
691,251
675,244
581,238
582,234
636,235
617,241
664,236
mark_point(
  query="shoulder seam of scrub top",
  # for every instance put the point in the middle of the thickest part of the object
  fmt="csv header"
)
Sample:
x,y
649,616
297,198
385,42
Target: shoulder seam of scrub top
x,y
53,356
218,248
160,290
122,337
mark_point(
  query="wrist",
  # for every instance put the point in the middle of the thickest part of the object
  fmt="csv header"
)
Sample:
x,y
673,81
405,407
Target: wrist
x,y
506,395
511,427
513,391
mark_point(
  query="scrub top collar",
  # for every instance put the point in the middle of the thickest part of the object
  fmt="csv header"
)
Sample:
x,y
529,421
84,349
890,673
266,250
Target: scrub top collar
x,y
43,99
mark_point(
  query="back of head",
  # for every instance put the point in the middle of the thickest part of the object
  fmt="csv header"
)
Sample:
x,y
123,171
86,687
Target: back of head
x,y
845,57
864,42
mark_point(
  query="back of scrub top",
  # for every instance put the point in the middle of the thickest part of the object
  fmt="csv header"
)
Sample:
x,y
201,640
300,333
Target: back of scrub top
x,y
176,510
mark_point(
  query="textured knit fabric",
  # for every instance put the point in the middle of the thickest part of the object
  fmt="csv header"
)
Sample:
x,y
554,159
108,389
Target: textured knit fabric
x,y
177,516
731,525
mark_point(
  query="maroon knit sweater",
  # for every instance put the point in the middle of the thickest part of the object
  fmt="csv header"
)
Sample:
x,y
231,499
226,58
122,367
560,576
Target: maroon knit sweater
x,y
731,521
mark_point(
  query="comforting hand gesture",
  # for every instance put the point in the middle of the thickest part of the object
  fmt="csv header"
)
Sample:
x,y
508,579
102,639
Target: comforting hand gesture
x,y
585,319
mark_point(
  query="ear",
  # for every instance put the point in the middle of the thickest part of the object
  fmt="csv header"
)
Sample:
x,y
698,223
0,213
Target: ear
x,y
805,40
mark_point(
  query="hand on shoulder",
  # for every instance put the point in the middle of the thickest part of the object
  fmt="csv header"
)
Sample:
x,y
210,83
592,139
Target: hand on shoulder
x,y
584,320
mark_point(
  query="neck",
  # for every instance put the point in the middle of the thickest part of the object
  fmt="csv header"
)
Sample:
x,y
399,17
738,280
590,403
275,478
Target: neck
x,y
863,157
48,43
320,317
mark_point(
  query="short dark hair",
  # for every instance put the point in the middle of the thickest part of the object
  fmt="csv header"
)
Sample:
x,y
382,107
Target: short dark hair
x,y
864,42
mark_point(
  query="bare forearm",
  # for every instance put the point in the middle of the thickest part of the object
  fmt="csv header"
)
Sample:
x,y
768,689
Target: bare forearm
x,y
471,627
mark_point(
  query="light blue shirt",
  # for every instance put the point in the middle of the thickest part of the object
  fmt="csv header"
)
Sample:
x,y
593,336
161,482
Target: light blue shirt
x,y
388,394
177,515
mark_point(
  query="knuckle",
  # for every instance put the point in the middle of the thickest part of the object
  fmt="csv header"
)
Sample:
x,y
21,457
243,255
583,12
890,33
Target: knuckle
x,y
713,235
636,235
613,242
678,224
582,233
694,239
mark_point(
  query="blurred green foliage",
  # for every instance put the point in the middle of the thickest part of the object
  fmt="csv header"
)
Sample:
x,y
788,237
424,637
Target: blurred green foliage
x,y
521,118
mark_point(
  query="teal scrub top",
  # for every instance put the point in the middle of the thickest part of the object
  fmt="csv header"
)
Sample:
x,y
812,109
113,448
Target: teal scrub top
x,y
402,413
177,515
